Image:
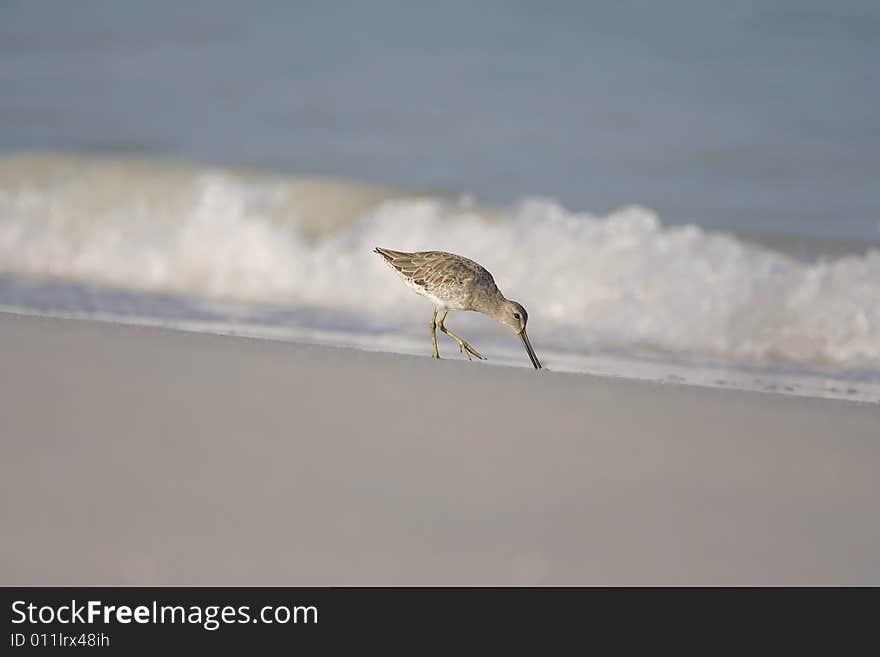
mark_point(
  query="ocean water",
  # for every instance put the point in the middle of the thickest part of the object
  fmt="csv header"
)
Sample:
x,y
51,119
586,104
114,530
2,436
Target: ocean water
x,y
676,191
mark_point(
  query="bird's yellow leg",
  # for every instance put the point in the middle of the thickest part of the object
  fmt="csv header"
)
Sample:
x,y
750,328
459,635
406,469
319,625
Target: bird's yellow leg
x,y
464,346
436,353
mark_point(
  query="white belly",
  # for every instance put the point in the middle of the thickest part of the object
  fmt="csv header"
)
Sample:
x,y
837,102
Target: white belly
x,y
442,304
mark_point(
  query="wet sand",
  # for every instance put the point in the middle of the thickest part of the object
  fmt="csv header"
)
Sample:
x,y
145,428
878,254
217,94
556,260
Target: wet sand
x,y
150,456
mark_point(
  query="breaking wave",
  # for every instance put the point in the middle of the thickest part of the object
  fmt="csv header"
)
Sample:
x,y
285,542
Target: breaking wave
x,y
622,280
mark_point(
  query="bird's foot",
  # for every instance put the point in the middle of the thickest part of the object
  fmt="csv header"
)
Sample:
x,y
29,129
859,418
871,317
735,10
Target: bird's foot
x,y
468,350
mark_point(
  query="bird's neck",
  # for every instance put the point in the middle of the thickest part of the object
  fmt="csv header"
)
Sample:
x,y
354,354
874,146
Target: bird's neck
x,y
496,304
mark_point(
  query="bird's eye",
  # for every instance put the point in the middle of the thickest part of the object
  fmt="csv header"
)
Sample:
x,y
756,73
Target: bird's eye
x,y
516,315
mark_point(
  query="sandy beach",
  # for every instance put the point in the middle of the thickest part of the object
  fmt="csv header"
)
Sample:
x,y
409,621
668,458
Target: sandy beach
x,y
150,456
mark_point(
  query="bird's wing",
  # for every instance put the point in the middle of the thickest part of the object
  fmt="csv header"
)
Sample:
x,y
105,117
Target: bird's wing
x,y
435,270
447,269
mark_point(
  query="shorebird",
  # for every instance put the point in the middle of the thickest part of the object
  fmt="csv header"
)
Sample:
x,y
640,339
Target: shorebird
x,y
453,282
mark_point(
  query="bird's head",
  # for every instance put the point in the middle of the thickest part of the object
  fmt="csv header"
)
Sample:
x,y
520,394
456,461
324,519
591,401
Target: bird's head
x,y
513,315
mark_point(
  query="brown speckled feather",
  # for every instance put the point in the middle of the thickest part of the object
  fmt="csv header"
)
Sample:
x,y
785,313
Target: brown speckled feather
x,y
451,281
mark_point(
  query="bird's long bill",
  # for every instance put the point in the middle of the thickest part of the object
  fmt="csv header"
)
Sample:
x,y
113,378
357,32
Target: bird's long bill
x,y
528,345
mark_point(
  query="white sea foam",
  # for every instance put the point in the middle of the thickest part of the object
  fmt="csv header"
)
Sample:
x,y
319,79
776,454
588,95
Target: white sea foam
x,y
621,280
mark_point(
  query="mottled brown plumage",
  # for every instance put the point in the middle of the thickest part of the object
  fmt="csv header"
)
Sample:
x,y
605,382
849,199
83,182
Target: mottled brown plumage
x,y
453,282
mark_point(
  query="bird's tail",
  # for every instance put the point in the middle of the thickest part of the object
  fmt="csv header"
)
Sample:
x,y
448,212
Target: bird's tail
x,y
390,255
